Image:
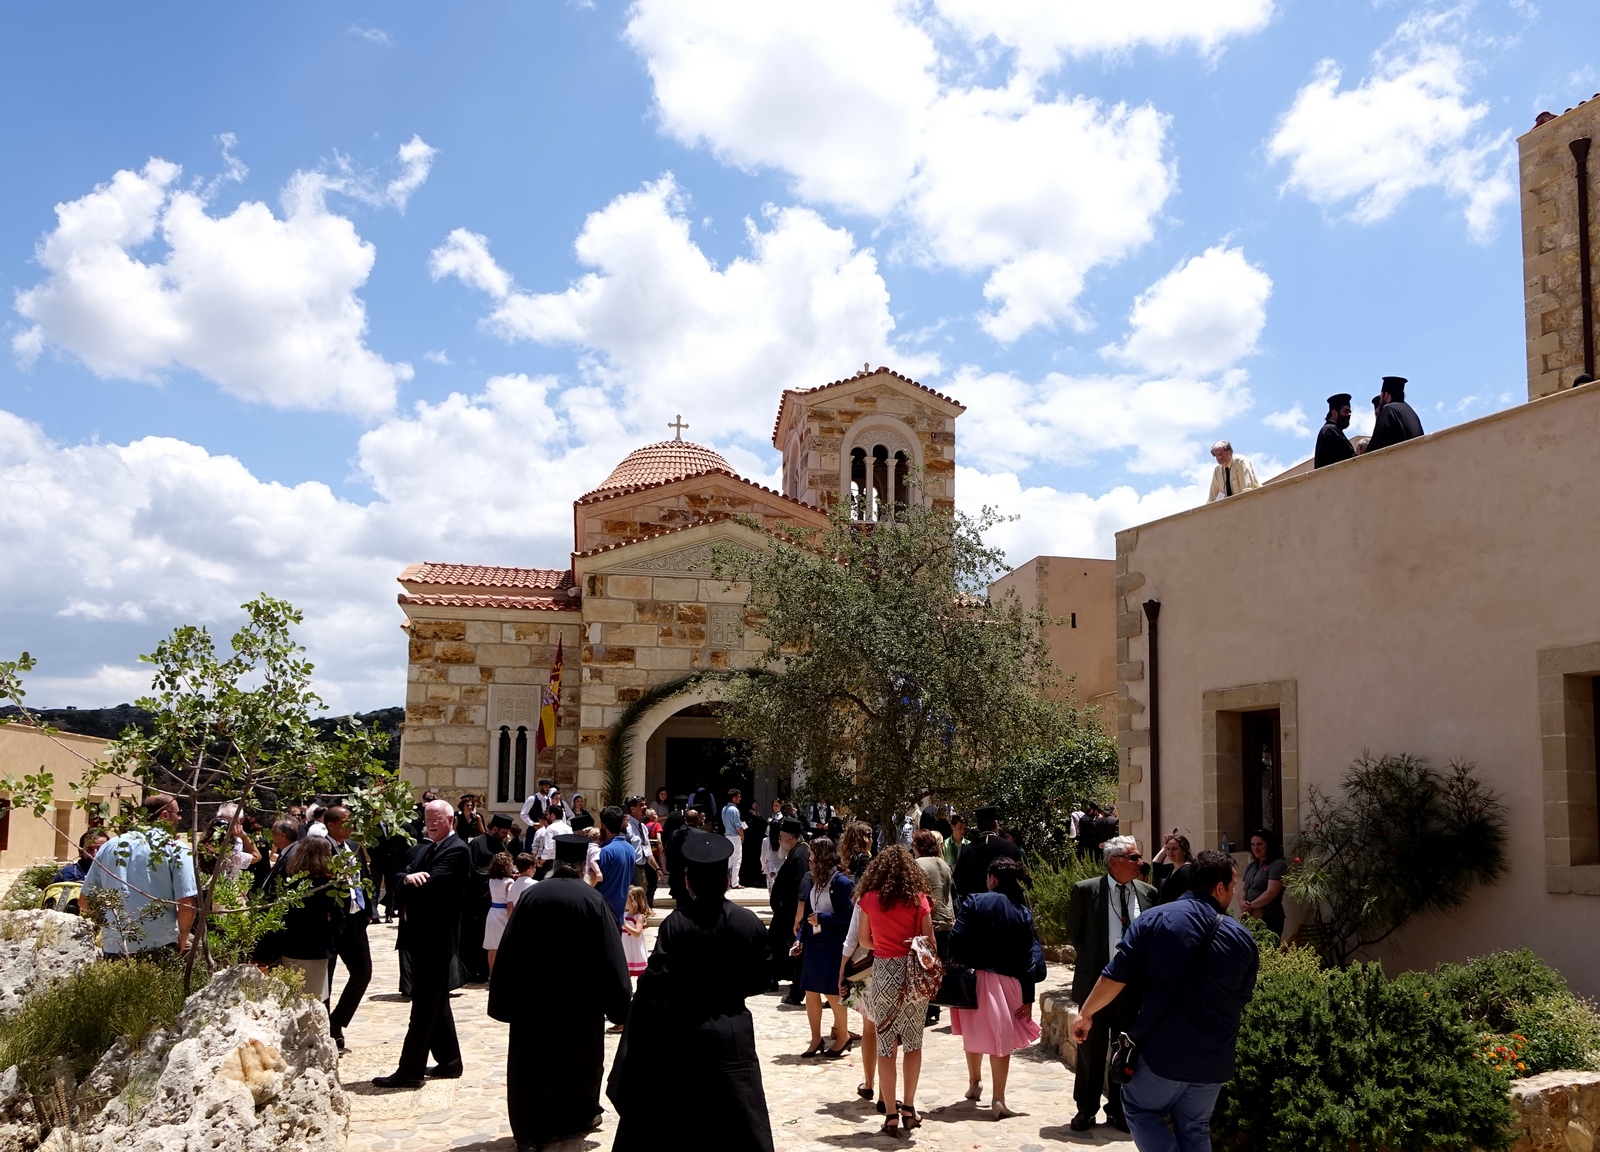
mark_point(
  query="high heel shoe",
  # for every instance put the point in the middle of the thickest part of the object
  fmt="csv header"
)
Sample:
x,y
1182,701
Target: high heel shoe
x,y
835,1053
891,1122
814,1050
999,1111
975,1090
865,1091
908,1117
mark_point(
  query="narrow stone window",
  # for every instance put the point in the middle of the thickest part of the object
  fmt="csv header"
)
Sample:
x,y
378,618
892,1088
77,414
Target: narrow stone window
x,y
1074,619
902,466
521,790
1568,699
859,501
503,766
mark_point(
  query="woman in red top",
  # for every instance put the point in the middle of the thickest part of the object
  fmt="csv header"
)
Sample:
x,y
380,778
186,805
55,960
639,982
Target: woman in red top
x,y
893,898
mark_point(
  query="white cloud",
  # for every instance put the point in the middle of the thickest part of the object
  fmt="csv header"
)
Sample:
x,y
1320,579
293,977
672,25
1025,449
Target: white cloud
x,y
414,161
666,329
265,306
1043,31
371,35
1408,125
1204,315
438,356
847,97
1292,420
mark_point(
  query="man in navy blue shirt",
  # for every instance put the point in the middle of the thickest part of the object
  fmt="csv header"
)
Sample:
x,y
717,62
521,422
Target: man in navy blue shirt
x,y
1189,1020
616,860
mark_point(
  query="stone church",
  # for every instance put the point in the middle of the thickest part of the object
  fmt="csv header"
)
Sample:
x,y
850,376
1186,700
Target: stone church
x,y
637,606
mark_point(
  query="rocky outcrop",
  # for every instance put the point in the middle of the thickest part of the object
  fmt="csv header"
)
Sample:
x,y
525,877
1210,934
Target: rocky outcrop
x,y
39,948
1057,1011
248,1067
1557,1112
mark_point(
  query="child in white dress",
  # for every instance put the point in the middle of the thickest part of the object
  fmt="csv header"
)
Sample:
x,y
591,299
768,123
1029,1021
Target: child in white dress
x,y
502,871
635,916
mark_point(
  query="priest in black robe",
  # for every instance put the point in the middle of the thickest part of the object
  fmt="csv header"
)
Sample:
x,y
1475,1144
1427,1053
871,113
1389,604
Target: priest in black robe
x,y
784,899
970,876
562,941
690,1040
1397,420
1332,444
475,909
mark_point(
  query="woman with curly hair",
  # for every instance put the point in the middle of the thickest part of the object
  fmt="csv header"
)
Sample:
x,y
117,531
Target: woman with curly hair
x,y
893,898
856,840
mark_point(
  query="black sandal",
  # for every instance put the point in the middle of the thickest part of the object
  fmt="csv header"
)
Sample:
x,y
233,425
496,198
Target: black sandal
x,y
908,1117
866,1091
891,1123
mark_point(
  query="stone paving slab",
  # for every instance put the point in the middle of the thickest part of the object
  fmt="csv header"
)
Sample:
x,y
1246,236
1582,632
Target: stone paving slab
x,y
814,1105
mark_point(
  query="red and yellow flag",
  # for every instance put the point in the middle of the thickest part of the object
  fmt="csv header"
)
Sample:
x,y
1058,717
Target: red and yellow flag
x,y
549,705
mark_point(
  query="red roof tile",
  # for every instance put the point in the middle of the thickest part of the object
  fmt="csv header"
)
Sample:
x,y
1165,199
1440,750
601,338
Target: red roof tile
x,y
861,375
520,603
487,576
668,460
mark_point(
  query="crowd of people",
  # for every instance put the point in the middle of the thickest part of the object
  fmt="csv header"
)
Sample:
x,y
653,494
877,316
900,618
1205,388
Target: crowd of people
x,y
874,930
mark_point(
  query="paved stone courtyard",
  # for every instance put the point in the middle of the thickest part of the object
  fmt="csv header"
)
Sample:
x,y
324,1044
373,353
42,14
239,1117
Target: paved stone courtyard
x,y
814,1104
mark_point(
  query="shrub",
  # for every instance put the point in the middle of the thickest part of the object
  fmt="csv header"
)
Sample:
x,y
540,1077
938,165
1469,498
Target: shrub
x,y
1343,1059
1561,1031
29,887
1516,994
1050,891
76,1021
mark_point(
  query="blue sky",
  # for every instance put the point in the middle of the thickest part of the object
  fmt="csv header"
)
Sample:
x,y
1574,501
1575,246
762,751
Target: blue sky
x,y
298,294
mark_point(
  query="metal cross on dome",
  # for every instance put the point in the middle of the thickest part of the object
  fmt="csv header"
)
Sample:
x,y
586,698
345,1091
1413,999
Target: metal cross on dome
x,y
677,422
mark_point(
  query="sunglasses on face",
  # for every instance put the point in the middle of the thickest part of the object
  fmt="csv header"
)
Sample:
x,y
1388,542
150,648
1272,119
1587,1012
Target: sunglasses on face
x,y
1135,857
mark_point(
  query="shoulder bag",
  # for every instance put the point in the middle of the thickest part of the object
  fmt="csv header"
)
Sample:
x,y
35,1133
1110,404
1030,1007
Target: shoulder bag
x,y
1124,1052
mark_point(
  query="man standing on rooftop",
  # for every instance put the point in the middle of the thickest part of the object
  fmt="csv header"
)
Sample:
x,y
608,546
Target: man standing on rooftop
x,y
1232,475
1332,444
1397,420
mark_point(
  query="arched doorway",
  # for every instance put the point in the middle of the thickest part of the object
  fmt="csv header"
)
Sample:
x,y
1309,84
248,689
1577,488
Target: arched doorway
x,y
679,743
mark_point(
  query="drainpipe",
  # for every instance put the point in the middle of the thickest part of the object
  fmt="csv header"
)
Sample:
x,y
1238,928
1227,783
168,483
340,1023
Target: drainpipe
x,y
1580,153
1152,611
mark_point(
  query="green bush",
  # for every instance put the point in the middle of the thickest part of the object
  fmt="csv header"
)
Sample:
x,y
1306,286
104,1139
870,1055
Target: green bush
x,y
77,1020
1517,994
1050,891
1345,1059
29,887
1561,1032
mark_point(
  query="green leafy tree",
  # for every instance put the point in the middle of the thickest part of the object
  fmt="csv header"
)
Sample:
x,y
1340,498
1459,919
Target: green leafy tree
x,y
236,727
1037,793
891,673
1401,839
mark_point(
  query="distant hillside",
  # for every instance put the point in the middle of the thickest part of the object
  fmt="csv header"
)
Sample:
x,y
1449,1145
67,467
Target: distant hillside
x,y
109,723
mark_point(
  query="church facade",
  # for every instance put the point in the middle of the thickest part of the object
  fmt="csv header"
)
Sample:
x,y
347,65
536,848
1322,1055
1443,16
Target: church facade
x,y
637,609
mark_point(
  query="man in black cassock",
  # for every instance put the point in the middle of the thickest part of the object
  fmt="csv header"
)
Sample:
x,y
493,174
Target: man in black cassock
x,y
475,911
562,936
1332,444
751,873
1397,420
688,1024
970,876
784,899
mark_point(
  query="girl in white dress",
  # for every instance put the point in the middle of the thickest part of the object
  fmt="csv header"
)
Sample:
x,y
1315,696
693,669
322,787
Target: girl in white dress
x,y
502,871
636,915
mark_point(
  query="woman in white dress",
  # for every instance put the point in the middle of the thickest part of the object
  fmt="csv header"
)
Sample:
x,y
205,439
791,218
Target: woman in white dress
x,y
502,873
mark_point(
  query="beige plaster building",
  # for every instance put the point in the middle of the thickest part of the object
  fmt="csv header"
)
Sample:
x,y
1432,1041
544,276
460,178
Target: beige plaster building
x,y
1435,598
638,608
24,751
1080,597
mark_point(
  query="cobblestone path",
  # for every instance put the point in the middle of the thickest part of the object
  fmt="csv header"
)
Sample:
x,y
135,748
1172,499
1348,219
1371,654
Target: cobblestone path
x,y
814,1104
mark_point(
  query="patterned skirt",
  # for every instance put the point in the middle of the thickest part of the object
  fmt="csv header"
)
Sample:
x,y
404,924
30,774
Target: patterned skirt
x,y
899,1020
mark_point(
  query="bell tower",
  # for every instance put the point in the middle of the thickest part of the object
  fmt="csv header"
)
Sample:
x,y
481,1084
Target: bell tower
x,y
877,439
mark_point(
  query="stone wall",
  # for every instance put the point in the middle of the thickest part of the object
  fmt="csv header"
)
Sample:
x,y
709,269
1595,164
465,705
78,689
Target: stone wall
x,y
458,668
1557,1112
608,519
1550,256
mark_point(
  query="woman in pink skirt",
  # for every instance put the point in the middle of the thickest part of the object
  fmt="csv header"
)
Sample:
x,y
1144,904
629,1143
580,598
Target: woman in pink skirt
x,y
994,936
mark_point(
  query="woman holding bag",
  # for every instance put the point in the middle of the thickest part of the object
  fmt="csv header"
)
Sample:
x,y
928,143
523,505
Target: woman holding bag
x,y
893,898
994,936
820,923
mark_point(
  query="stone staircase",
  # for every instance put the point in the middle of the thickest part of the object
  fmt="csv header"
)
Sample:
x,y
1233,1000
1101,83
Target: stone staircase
x,y
754,899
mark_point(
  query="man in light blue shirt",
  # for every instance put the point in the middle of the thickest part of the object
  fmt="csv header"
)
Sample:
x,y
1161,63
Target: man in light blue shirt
x,y
616,861
733,827
149,881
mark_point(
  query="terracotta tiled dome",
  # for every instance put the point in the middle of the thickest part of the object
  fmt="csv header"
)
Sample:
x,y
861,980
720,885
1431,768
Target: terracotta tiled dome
x,y
667,460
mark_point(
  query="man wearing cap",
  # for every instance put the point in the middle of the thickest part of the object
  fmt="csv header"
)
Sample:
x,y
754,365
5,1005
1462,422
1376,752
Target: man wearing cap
x,y
1232,475
971,873
1332,444
784,900
475,912
562,935
689,1035
434,880
1397,420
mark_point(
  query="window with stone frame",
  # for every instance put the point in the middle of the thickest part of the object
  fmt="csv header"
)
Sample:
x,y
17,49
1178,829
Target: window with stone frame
x,y
1569,700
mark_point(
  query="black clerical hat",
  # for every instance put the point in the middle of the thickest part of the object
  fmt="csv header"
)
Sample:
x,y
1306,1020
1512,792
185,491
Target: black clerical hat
x,y
988,814
793,828
1395,386
704,848
500,820
572,849
1338,400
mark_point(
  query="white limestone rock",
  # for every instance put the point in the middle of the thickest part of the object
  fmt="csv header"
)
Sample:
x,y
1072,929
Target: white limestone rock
x,y
246,1068
40,947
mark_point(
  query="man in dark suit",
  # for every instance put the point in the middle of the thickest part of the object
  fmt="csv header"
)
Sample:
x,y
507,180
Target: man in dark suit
x,y
475,909
1099,913
785,899
970,875
434,882
350,940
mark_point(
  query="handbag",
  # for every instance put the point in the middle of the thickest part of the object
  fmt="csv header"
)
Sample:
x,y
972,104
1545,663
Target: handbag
x,y
924,971
959,988
1124,1054
859,967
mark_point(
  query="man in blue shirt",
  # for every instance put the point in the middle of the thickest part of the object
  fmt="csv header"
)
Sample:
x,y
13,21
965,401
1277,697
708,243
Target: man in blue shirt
x,y
78,871
733,827
1189,1020
149,881
616,860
